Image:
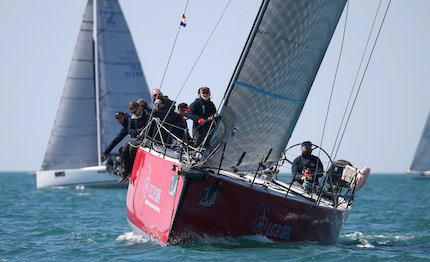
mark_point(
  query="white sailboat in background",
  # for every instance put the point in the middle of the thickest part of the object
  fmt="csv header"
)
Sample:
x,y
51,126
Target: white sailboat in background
x,y
104,76
420,167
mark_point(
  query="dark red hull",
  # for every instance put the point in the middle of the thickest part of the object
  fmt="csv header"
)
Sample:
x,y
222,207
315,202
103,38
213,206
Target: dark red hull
x,y
207,204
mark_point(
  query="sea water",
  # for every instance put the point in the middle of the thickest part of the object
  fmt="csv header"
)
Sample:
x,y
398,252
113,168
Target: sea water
x,y
389,221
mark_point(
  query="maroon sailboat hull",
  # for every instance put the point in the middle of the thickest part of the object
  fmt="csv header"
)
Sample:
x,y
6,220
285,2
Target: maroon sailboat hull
x,y
207,204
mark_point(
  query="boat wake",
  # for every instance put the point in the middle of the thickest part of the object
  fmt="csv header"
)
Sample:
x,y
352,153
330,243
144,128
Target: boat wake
x,y
360,239
370,241
133,238
229,242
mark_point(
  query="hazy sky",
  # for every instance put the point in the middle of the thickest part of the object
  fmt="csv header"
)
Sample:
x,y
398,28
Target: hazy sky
x,y
38,39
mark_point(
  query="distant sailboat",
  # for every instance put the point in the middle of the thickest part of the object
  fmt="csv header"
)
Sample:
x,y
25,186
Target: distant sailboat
x,y
420,167
104,76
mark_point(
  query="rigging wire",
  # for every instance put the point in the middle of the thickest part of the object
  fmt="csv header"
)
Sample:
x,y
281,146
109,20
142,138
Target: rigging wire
x,y
204,47
167,66
364,74
335,75
173,48
355,80
198,58
195,63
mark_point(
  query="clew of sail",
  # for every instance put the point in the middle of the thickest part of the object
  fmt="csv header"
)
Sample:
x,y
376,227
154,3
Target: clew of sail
x,y
271,82
421,161
121,78
73,141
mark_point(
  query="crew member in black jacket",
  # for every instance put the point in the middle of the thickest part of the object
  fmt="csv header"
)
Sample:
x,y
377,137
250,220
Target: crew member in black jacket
x,y
202,113
179,122
128,151
307,166
123,120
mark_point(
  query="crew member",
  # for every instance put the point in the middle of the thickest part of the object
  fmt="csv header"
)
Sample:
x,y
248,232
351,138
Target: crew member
x,y
307,166
202,113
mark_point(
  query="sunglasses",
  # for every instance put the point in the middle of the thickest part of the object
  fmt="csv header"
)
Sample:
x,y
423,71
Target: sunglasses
x,y
133,111
156,104
205,92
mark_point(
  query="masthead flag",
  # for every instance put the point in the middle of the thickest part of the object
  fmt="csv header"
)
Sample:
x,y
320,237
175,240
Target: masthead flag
x,y
183,21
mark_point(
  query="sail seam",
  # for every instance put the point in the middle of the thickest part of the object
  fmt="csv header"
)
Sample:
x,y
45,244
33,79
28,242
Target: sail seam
x,y
285,39
118,63
268,93
110,12
103,30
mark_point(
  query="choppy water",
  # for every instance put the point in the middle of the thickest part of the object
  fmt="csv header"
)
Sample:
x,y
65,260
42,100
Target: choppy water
x,y
390,221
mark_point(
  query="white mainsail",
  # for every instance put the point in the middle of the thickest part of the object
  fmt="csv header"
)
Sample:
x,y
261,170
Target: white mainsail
x,y
73,141
271,82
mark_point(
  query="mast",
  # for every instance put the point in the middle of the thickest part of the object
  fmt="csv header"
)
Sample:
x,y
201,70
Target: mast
x,y
96,81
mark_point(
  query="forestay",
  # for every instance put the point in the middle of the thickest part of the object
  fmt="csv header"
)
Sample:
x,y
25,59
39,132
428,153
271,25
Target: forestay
x,y
421,160
272,80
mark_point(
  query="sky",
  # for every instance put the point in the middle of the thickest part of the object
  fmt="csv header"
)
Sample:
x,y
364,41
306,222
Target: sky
x,y
38,39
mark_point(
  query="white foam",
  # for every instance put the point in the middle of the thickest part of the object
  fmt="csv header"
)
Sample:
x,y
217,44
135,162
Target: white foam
x,y
132,238
365,244
361,238
355,235
259,238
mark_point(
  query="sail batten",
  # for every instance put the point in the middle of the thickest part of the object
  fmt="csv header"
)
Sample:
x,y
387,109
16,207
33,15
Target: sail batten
x,y
272,81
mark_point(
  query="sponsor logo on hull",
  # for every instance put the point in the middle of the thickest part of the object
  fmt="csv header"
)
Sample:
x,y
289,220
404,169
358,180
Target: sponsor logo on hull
x,y
263,226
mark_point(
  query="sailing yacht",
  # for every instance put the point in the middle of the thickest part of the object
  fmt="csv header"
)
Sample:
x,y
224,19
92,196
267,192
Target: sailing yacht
x,y
104,76
420,167
228,187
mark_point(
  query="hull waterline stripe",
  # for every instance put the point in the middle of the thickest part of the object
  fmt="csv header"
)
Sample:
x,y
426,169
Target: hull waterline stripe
x,y
268,93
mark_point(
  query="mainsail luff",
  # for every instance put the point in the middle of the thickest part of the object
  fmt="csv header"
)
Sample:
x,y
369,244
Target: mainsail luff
x,y
273,81
96,85
73,138
421,162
